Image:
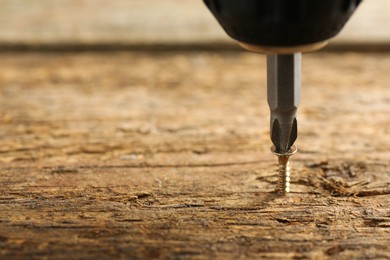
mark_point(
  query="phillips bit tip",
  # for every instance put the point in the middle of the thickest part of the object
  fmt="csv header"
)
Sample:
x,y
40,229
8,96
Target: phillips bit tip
x,y
283,95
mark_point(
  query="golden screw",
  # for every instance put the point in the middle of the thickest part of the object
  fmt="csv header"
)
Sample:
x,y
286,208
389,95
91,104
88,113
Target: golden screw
x,y
283,185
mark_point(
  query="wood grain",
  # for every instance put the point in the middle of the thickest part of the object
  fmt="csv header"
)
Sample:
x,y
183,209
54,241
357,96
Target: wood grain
x,y
166,155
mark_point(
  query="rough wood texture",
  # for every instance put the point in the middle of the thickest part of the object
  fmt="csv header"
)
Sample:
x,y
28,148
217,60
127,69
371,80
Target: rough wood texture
x,y
166,155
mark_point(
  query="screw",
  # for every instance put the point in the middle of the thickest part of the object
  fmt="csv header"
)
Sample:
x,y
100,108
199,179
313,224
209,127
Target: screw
x,y
283,185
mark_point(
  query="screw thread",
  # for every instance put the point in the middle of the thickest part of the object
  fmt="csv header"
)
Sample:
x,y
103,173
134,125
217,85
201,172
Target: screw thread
x,y
283,185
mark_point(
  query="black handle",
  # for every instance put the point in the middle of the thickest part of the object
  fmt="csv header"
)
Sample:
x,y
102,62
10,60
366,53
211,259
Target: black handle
x,y
282,23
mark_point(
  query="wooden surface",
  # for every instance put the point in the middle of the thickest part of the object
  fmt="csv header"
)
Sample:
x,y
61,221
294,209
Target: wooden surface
x,y
166,155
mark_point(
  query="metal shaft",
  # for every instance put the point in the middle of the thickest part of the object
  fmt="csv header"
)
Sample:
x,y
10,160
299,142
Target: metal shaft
x,y
283,95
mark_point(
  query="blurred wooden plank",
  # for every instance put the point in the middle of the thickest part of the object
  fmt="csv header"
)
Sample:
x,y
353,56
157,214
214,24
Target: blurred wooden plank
x,y
149,22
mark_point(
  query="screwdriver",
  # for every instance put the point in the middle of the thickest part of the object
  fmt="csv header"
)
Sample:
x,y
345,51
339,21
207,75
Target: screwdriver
x,y
282,29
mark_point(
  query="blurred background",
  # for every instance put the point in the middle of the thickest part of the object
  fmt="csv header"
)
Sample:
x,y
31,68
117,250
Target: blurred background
x,y
134,23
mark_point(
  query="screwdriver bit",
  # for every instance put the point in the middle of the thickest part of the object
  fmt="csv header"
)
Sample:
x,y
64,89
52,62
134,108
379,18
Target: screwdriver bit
x,y
283,95
283,29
